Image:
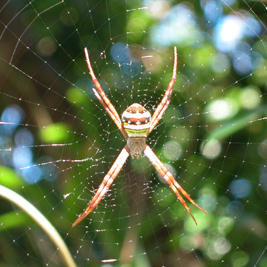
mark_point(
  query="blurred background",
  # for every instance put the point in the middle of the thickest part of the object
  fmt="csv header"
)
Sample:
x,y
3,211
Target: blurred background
x,y
57,142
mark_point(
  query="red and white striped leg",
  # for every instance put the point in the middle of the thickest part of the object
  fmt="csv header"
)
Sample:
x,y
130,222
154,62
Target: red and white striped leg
x,y
174,185
106,183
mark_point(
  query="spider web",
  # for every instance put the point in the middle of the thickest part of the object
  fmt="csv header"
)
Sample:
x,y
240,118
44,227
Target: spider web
x,y
57,141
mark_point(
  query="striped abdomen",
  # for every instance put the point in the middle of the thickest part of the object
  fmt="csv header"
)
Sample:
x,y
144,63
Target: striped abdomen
x,y
136,121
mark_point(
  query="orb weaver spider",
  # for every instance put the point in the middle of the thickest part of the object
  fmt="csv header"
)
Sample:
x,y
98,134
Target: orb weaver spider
x,y
135,124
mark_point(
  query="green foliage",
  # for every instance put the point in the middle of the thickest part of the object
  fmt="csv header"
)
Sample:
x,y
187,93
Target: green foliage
x,y
213,133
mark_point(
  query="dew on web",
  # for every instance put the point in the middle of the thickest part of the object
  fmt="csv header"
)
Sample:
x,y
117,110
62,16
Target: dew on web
x,y
58,141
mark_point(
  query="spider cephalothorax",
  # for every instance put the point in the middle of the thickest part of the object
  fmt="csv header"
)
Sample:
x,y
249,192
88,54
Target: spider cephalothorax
x,y
135,125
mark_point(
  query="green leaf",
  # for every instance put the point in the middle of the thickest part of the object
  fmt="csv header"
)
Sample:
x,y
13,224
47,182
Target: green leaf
x,y
13,220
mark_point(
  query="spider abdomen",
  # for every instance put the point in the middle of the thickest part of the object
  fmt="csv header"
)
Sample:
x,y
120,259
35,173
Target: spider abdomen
x,y
136,121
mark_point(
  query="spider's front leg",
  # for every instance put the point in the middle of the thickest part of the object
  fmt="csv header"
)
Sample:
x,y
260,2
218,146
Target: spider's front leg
x,y
106,183
168,177
102,97
163,105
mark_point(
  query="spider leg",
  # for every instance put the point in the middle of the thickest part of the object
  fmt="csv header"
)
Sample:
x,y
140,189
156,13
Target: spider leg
x,y
163,105
106,183
102,97
163,171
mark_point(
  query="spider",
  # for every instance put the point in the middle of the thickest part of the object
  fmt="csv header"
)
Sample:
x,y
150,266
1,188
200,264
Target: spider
x,y
135,124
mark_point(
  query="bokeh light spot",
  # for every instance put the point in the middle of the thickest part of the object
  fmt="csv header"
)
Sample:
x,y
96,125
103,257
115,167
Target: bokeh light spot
x,y
120,53
211,149
22,157
12,116
178,27
46,46
49,169
241,188
132,69
75,95
230,30
212,11
32,175
220,63
172,150
228,33
239,259
234,209
262,149
222,245
250,97
222,109
208,202
226,224
55,133
23,137
263,181
158,8
242,63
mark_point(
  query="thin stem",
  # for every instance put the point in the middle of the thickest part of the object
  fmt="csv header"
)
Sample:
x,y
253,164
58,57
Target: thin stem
x,y
41,221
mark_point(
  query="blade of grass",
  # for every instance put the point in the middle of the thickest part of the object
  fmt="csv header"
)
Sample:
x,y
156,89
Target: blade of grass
x,y
41,221
235,125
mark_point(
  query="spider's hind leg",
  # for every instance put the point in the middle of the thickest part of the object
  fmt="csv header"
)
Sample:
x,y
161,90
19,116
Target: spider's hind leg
x,y
168,177
106,183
